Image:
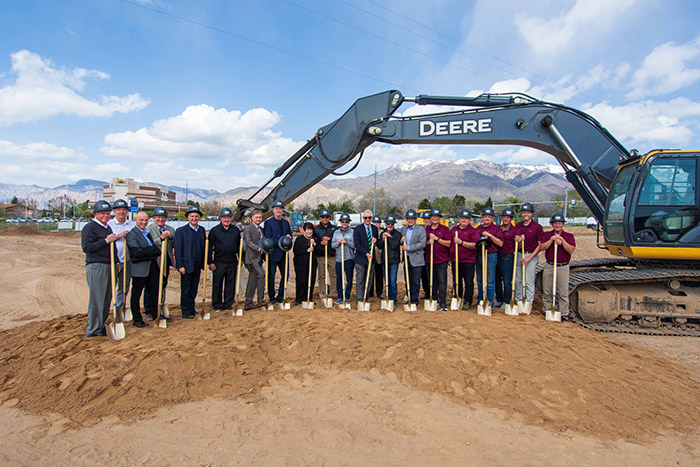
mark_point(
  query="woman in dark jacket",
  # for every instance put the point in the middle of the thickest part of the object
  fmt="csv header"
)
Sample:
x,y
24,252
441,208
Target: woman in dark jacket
x,y
393,253
303,248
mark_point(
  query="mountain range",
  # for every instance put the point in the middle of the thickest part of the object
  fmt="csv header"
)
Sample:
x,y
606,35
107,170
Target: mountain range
x,y
406,183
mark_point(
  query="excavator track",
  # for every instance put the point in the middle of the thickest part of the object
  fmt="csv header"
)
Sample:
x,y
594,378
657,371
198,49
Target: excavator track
x,y
606,272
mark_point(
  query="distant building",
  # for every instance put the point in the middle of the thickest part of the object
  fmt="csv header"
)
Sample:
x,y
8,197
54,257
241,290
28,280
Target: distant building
x,y
151,196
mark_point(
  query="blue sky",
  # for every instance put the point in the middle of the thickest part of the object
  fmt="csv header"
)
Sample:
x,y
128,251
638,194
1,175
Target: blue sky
x,y
218,93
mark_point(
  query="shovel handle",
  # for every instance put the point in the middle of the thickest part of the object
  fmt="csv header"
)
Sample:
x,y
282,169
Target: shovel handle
x,y
204,283
311,257
456,283
238,272
554,278
386,267
408,279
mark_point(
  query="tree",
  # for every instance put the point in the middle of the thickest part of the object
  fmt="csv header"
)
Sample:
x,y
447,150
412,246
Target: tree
x,y
424,204
384,202
14,200
444,204
479,207
577,210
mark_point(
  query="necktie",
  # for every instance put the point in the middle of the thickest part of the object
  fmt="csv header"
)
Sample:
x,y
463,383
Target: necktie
x,y
148,237
369,235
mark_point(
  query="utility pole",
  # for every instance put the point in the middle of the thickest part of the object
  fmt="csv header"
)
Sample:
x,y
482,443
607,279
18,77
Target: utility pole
x,y
374,207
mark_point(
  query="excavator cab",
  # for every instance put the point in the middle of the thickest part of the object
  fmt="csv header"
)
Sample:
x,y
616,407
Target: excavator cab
x,y
653,208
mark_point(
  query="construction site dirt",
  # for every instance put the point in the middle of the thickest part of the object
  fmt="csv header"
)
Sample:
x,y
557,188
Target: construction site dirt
x,y
323,386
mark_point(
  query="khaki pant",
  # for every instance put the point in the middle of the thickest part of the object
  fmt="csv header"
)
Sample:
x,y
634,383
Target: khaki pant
x,y
322,277
562,288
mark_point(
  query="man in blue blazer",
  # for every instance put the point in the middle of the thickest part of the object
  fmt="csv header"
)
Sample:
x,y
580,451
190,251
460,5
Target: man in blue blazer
x,y
275,228
365,236
189,259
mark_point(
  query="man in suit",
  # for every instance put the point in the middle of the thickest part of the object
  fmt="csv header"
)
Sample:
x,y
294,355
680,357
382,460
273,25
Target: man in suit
x,y
160,231
224,240
275,228
413,238
143,263
365,236
189,259
252,234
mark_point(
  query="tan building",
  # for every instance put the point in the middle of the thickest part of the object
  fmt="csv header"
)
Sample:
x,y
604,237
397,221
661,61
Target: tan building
x,y
151,196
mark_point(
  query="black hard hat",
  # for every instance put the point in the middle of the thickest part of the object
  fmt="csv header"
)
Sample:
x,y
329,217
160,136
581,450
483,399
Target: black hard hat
x,y
160,211
324,213
101,206
285,243
508,212
267,245
120,203
225,212
390,219
435,212
277,204
377,219
344,217
425,215
411,214
465,213
192,209
557,218
527,207
487,212
485,241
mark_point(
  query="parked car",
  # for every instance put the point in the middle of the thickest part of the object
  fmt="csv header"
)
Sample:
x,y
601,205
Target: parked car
x,y
12,220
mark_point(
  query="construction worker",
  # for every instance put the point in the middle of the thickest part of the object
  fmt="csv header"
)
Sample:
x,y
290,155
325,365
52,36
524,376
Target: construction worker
x,y
425,277
143,264
393,254
254,257
121,225
506,258
488,229
189,259
323,235
160,231
413,238
344,238
275,228
96,240
465,242
530,232
378,284
440,237
566,244
303,247
365,236
224,242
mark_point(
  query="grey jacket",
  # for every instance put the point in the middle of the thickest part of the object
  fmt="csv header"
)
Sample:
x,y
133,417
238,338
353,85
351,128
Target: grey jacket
x,y
253,254
349,247
140,255
155,235
416,249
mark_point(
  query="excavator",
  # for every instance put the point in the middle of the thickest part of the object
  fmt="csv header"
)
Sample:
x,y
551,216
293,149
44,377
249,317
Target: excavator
x,y
647,204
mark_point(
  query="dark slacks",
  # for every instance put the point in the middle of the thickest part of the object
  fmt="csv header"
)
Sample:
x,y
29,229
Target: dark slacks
x,y
414,276
465,287
378,287
301,269
189,285
148,300
504,278
274,267
223,282
425,279
138,285
439,283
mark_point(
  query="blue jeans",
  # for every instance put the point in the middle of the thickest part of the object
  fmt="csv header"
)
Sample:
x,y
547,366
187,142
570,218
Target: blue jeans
x,y
491,260
393,271
504,278
349,268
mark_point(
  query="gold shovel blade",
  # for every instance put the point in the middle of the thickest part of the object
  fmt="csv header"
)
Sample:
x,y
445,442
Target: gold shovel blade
x,y
206,315
162,323
480,308
327,302
526,308
455,304
115,331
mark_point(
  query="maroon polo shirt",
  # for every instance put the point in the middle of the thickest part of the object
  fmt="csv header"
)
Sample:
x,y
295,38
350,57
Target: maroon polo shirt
x,y
533,234
563,256
508,241
494,230
469,234
440,253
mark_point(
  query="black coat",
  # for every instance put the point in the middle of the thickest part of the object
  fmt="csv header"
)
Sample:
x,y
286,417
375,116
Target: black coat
x,y
394,244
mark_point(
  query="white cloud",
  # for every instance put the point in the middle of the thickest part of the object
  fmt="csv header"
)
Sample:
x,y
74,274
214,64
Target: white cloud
x,y
667,69
42,90
553,36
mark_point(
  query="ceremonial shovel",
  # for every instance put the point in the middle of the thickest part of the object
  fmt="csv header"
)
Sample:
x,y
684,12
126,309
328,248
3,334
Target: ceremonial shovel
x,y
238,310
205,314
554,314
525,307
160,321
285,303
429,304
115,329
309,303
344,304
456,302
364,305
126,314
484,307
328,301
270,306
511,308
386,304
408,306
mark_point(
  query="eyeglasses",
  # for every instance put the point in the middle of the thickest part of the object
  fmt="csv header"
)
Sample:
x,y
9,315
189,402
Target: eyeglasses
x,y
367,217
344,222
325,217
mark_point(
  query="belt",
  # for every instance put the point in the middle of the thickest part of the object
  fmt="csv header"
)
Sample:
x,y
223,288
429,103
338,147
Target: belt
x,y
558,264
505,256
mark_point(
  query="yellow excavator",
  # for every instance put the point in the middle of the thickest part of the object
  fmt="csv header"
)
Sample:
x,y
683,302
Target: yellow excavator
x,y
647,204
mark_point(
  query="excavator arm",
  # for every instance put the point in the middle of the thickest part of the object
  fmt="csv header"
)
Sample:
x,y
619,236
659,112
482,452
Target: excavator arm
x,y
588,153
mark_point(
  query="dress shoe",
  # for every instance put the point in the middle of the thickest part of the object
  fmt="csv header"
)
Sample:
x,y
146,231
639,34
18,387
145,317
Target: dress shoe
x,y
167,320
250,307
140,324
260,304
466,305
187,316
273,302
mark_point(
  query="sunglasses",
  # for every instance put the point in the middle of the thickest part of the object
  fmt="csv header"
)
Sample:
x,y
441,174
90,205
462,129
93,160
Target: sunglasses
x,y
325,217
344,222
367,217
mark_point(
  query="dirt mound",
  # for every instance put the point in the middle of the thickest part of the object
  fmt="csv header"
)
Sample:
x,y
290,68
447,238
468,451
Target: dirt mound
x,y
66,233
561,377
22,230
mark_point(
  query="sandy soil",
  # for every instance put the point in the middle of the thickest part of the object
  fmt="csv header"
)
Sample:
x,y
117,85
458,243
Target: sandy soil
x,y
327,387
